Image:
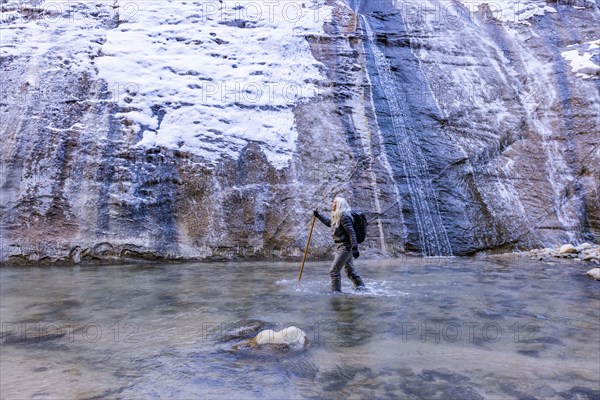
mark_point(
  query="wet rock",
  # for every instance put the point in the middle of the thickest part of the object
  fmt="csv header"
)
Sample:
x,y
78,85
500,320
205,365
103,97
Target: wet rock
x,y
543,391
594,273
567,249
244,329
461,393
580,393
418,389
530,353
490,314
26,338
290,338
444,375
543,340
527,391
335,386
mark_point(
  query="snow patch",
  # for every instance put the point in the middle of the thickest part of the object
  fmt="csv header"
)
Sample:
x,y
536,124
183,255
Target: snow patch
x,y
51,31
210,77
585,59
519,11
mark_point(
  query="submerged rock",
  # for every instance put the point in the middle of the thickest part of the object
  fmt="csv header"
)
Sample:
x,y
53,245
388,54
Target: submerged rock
x,y
244,329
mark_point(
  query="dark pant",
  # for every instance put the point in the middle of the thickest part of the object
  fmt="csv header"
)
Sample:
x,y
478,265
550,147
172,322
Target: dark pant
x,y
343,258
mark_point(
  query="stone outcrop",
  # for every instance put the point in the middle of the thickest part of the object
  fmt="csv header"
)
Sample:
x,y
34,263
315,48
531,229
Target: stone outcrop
x,y
456,131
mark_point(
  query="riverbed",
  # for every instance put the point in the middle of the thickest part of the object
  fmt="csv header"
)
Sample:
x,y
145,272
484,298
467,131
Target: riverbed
x,y
434,328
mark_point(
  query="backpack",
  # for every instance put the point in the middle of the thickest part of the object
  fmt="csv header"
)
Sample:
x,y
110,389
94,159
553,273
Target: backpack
x,y
359,222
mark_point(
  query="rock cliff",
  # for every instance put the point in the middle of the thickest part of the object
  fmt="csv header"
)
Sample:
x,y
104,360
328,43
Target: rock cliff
x,y
209,130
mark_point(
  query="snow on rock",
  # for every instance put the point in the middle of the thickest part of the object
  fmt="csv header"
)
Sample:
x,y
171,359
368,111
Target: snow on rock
x,y
209,77
585,59
520,11
65,30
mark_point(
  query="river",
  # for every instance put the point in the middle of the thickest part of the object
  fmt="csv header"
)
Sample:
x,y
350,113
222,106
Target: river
x,y
436,328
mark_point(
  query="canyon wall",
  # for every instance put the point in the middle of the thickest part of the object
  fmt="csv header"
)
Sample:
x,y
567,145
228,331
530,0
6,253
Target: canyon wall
x,y
208,130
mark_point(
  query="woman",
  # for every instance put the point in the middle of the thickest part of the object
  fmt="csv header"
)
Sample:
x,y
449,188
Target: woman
x,y
344,237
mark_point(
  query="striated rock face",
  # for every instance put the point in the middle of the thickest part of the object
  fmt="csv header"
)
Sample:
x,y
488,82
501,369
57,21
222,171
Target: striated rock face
x,y
504,134
175,130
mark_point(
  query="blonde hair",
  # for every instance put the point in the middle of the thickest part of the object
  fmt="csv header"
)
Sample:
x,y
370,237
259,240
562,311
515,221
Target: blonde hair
x,y
341,206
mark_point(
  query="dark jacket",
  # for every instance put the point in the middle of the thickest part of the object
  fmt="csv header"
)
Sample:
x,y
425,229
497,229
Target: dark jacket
x,y
345,232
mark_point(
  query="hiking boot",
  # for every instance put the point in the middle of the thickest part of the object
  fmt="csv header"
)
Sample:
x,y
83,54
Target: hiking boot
x,y
358,283
336,285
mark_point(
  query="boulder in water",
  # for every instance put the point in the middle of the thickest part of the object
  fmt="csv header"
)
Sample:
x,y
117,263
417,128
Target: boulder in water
x,y
290,338
594,273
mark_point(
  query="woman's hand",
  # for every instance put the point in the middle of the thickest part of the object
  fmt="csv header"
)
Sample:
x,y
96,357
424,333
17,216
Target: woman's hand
x,y
355,252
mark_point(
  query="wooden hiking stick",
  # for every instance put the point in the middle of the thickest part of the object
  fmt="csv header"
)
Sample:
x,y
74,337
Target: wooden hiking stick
x,y
307,243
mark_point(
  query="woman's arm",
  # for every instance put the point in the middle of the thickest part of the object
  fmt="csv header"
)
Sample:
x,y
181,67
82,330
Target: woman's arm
x,y
323,218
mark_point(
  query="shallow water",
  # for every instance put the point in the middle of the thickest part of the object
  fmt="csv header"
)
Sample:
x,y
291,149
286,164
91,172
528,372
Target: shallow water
x,y
428,329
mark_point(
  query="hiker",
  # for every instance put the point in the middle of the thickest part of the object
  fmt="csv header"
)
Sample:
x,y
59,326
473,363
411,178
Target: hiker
x,y
344,237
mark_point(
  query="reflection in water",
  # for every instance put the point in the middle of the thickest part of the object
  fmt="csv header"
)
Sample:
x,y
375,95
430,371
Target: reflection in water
x,y
435,328
352,325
